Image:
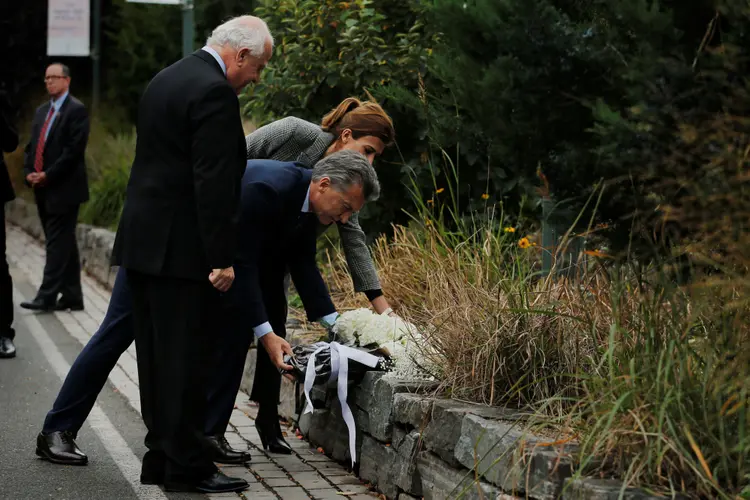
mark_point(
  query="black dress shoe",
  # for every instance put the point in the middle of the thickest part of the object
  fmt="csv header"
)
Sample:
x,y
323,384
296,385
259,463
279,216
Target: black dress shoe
x,y
219,451
7,349
68,305
269,430
38,305
60,448
216,483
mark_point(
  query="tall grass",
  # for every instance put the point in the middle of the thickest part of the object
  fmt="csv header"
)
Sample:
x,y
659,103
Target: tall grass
x,y
647,375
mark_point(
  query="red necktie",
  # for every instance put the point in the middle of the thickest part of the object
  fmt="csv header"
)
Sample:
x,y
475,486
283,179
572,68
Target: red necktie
x,y
39,157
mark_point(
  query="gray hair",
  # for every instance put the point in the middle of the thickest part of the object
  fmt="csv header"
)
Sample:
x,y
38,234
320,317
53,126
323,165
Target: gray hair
x,y
243,32
347,168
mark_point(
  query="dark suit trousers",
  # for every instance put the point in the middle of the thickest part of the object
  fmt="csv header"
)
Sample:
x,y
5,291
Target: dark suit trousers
x,y
6,289
267,381
62,269
97,359
94,363
173,337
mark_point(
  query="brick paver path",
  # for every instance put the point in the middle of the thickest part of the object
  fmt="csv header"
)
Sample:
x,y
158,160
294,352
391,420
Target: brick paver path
x,y
302,475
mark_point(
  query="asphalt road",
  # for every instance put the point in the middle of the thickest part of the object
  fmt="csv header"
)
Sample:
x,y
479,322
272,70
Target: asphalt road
x,y
112,438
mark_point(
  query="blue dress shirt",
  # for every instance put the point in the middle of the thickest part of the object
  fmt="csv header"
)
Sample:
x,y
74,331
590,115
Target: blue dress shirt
x,y
56,104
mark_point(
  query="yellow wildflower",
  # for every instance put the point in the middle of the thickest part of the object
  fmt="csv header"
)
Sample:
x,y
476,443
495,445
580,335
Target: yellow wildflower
x,y
430,201
524,242
427,222
510,229
485,196
596,253
440,190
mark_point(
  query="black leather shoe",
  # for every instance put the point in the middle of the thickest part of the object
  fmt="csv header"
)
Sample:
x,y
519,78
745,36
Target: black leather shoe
x,y
219,451
7,349
271,437
216,483
68,305
38,305
60,448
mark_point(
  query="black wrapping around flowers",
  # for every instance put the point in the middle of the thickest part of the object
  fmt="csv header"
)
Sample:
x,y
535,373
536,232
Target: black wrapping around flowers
x,y
357,370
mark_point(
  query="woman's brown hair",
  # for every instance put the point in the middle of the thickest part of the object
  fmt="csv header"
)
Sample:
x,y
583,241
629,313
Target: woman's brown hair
x,y
362,118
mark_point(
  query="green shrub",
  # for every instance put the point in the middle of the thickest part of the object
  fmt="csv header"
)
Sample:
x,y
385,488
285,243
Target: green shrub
x,y
109,158
329,50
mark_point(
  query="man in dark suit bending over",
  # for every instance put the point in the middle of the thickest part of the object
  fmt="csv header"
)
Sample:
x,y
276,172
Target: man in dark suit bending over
x,y
55,168
176,240
282,206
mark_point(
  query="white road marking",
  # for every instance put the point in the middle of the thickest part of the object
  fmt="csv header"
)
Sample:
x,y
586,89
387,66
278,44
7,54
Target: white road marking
x,y
113,442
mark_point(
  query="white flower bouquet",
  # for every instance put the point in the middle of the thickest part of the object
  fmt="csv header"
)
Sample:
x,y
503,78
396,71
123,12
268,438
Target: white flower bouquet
x,y
400,341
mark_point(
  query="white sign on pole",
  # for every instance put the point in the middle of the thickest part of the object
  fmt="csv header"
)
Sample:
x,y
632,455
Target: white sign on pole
x,y
163,2
68,28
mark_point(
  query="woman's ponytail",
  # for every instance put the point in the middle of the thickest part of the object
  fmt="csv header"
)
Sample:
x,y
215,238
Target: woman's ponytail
x,y
362,118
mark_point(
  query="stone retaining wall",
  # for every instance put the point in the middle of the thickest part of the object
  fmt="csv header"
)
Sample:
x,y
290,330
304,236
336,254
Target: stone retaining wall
x,y
412,445
94,243
409,444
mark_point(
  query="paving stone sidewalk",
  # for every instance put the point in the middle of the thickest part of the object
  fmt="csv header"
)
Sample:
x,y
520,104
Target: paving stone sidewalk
x,y
305,474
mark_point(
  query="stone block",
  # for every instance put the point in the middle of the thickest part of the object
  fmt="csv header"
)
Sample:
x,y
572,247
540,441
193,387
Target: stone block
x,y
399,434
405,467
326,429
602,489
406,496
444,430
375,397
442,482
94,244
378,466
412,409
24,215
504,455
292,493
363,393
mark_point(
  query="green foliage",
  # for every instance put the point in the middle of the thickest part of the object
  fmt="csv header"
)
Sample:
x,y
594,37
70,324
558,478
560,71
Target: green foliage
x,y
515,87
329,50
109,158
142,39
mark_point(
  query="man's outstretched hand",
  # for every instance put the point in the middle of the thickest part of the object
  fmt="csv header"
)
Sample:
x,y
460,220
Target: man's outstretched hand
x,y
276,347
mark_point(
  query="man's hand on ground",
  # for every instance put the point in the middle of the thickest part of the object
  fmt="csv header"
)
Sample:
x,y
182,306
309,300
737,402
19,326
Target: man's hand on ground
x,y
276,347
222,279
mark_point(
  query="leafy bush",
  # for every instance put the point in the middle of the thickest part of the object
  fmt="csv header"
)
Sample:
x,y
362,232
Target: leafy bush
x,y
109,158
329,50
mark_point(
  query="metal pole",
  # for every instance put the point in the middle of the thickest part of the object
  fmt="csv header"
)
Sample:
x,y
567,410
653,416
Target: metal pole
x,y
188,29
96,55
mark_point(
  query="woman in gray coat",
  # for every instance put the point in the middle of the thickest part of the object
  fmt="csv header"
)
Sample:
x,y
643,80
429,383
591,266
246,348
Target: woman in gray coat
x,y
360,126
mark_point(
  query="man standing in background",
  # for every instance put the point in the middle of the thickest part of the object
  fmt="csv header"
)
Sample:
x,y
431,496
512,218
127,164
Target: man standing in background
x,y
177,238
55,168
8,143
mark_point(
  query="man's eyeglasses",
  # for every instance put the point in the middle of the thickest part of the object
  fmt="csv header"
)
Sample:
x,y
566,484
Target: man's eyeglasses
x,y
53,77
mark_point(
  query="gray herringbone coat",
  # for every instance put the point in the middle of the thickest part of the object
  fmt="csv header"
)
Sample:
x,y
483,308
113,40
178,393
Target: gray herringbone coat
x,y
294,139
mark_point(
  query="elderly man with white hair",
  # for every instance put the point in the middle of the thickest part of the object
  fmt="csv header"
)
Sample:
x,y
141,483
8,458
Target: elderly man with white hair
x,y
176,241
